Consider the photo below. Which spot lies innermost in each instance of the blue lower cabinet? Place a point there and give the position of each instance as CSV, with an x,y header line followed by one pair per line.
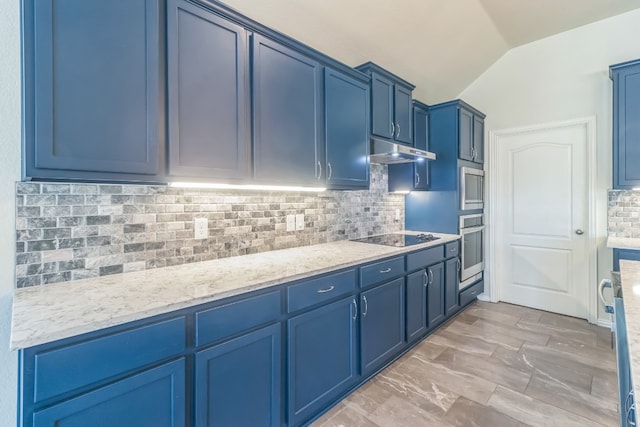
x,y
630,254
153,398
416,305
322,349
238,383
451,305
435,294
382,324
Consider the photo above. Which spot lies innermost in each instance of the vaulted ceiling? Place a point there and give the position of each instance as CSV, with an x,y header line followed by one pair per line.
x,y
441,46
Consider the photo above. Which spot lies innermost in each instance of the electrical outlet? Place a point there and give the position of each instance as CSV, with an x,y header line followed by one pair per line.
x,y
300,222
291,222
200,228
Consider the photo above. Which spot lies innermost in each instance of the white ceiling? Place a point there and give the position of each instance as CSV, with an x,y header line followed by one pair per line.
x,y
441,46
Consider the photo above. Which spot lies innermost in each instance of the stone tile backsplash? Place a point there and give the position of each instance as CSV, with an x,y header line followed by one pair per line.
x,y
69,231
623,213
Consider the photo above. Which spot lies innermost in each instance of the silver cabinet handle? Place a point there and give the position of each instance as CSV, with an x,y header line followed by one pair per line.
x,y
355,309
459,264
426,279
319,169
430,276
417,178
325,290
473,153
365,310
608,306
397,130
393,129
385,271
330,171
627,403
579,232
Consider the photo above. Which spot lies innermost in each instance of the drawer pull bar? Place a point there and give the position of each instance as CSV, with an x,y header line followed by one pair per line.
x,y
329,289
386,270
366,307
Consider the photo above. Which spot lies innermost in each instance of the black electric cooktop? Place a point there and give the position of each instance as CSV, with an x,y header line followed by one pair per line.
x,y
399,240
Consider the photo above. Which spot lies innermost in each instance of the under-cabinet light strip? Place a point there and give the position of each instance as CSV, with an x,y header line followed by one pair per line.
x,y
244,187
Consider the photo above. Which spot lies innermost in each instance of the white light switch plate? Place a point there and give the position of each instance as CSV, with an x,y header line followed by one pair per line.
x,y
300,222
291,222
200,228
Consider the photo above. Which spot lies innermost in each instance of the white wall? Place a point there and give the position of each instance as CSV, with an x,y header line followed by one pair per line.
x,y
559,78
9,174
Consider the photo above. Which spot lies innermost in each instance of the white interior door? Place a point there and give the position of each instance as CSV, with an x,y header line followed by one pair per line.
x,y
541,218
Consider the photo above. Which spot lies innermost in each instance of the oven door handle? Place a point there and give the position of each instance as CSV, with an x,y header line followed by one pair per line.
x,y
471,229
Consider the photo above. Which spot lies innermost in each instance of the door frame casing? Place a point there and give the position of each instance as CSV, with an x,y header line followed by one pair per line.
x,y
492,174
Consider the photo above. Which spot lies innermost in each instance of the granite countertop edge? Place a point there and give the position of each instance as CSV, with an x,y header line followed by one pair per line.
x,y
623,242
630,277
52,312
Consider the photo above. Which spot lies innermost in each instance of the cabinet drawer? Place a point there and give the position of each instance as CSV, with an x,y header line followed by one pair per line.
x,y
451,249
471,293
381,271
425,258
315,291
75,366
226,320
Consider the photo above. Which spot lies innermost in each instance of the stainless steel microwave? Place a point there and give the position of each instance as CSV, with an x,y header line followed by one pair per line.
x,y
471,188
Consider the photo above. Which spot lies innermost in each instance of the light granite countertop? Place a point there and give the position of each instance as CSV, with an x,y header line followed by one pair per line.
x,y
51,312
630,276
623,242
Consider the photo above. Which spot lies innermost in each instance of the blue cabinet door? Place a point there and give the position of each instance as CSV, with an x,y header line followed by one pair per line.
x,y
435,295
382,106
287,113
478,139
153,398
238,383
346,130
92,88
465,134
626,124
322,357
382,324
451,268
208,94
416,305
403,115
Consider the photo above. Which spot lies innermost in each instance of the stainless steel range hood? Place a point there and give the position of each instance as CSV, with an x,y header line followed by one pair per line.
x,y
387,153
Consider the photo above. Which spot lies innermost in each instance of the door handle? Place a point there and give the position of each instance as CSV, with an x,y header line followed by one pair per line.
x,y
579,232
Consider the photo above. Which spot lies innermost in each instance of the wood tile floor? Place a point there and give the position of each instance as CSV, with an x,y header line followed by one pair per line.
x,y
493,365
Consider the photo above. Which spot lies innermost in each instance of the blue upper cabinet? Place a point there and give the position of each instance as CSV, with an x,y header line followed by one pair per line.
x,y
391,106
287,115
626,124
470,134
346,102
208,95
92,87
415,175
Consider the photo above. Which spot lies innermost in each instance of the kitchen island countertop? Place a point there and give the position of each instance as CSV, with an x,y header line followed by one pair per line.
x,y
630,276
51,312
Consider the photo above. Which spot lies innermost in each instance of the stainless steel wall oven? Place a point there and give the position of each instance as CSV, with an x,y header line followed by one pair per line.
x,y
471,188
472,253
